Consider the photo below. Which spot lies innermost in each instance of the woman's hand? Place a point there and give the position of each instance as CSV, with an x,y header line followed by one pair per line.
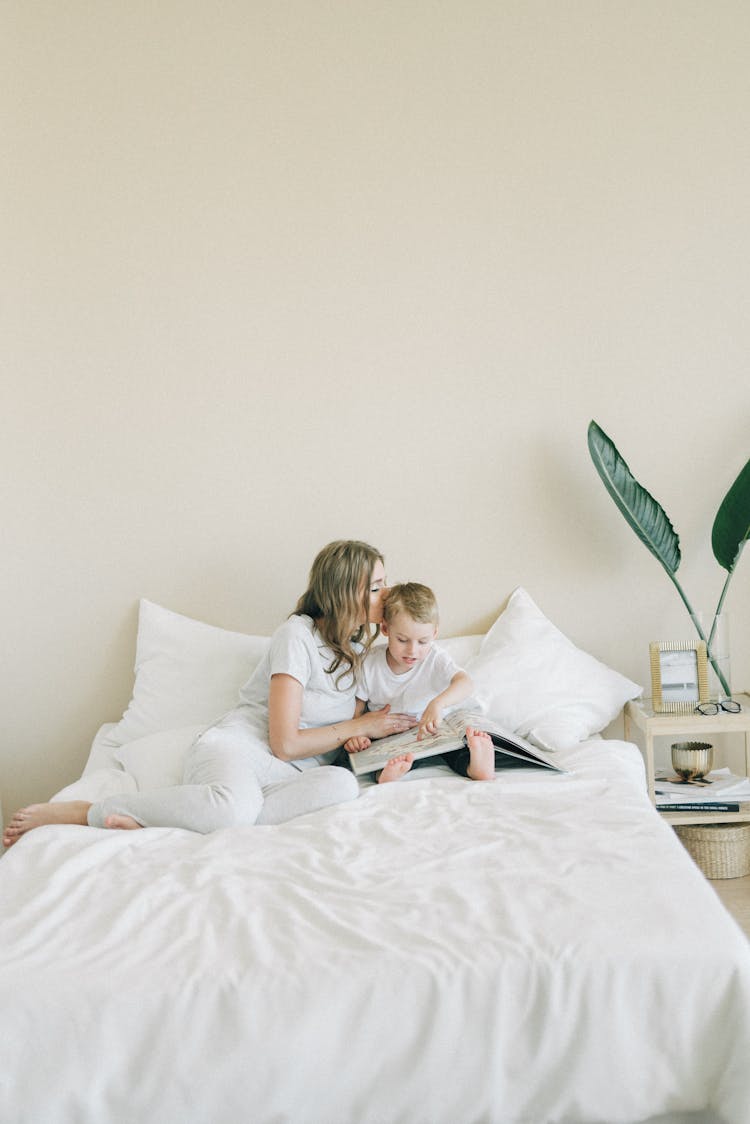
x,y
381,723
430,720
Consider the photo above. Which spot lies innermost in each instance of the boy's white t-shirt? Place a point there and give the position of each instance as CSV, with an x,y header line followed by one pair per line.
x,y
408,693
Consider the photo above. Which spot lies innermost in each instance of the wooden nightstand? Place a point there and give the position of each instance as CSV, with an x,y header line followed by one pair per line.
x,y
639,715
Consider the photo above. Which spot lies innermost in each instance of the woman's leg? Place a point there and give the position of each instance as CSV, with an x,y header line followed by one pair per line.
x,y
231,779
41,815
307,792
219,789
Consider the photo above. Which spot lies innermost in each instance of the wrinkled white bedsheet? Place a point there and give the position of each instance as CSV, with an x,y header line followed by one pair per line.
x,y
534,950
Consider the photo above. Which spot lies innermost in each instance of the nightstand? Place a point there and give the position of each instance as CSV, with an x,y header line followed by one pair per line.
x,y
639,715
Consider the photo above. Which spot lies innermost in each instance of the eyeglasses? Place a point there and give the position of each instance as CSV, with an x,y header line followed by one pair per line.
x,y
731,706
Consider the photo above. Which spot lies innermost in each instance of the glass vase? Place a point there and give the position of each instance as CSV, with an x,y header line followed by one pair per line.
x,y
719,662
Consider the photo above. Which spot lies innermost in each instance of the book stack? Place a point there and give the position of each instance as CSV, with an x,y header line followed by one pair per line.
x,y
718,791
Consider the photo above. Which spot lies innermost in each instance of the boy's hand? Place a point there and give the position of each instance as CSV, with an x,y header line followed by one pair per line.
x,y
356,745
430,720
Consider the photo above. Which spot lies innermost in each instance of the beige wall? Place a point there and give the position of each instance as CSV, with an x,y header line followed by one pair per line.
x,y
278,273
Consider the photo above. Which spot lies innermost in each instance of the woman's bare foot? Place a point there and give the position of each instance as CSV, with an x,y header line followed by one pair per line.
x,y
125,822
37,815
396,768
481,755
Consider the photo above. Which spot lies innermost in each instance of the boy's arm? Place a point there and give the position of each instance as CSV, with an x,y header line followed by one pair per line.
x,y
459,688
357,744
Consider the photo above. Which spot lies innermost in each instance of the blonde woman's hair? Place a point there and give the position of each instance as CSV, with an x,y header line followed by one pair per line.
x,y
417,601
338,597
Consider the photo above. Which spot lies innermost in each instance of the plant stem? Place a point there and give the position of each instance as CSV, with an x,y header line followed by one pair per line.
x,y
714,662
686,603
719,607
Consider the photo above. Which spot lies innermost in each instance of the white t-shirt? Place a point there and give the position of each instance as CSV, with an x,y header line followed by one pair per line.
x,y
298,649
408,693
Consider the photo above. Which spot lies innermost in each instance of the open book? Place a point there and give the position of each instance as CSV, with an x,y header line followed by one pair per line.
x,y
510,749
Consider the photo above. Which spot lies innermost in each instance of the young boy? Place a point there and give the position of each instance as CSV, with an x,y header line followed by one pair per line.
x,y
412,675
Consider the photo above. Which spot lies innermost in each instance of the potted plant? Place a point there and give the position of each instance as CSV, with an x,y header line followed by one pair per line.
x,y
652,526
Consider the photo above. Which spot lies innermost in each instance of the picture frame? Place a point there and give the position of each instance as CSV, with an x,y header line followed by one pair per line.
x,y
679,675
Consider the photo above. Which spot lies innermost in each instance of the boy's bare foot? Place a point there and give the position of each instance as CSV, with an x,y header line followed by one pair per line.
x,y
396,768
125,822
37,815
481,755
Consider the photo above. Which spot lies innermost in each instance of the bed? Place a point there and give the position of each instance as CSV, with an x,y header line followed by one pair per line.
x,y
533,950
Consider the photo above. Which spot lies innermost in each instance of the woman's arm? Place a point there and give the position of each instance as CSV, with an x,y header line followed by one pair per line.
x,y
289,743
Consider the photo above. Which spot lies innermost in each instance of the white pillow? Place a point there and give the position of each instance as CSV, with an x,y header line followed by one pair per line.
x,y
533,680
461,648
98,785
158,760
186,673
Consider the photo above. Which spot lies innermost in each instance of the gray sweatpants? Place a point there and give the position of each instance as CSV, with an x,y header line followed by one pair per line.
x,y
231,779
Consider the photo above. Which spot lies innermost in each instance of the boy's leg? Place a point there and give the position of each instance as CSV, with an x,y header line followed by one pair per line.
x,y
396,768
458,761
475,761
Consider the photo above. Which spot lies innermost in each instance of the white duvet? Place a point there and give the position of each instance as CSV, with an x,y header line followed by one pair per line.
x,y
534,950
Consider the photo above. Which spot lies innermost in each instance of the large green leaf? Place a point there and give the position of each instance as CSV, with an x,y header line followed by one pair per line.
x,y
732,523
644,514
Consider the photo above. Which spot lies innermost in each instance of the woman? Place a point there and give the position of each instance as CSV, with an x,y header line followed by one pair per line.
x,y
268,760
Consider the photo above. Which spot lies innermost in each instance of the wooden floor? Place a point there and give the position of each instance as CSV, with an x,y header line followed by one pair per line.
x,y
735,894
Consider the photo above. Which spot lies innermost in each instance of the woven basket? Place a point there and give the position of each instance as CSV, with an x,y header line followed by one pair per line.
x,y
721,850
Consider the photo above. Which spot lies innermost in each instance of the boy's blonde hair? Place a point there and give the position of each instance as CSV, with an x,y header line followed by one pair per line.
x,y
417,601
338,597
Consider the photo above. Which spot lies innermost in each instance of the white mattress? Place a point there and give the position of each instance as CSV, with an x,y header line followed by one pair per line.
x,y
539,949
